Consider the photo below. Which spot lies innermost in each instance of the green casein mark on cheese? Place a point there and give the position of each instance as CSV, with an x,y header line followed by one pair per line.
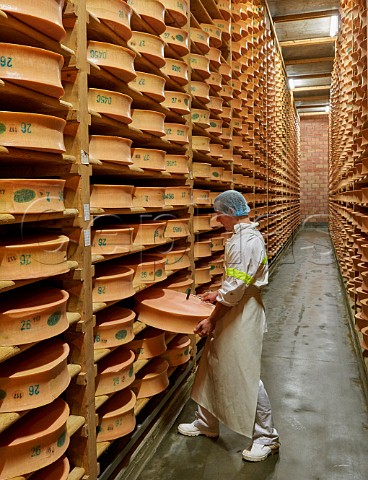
x,y
25,195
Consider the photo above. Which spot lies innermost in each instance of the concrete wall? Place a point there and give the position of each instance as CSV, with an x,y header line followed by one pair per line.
x,y
314,168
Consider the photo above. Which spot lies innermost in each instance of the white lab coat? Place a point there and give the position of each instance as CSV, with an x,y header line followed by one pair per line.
x,y
228,375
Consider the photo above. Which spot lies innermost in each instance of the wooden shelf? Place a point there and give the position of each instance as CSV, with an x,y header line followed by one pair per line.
x,y
76,474
7,218
130,171
134,249
11,28
74,423
6,285
12,95
32,157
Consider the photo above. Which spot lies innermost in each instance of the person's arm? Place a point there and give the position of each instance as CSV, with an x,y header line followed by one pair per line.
x,y
207,325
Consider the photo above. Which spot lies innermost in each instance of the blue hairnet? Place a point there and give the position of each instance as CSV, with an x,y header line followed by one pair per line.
x,y
231,203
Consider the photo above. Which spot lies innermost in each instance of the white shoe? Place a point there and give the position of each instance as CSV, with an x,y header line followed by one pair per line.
x,y
260,452
195,429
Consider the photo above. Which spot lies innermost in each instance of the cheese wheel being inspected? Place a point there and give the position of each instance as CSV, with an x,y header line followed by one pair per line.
x,y
32,131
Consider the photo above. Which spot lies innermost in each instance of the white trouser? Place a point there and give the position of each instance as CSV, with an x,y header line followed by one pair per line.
x,y
264,431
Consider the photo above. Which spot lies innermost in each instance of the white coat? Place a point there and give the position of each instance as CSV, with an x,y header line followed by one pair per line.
x,y
228,375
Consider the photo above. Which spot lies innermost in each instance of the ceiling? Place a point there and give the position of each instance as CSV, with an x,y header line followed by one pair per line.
x,y
303,31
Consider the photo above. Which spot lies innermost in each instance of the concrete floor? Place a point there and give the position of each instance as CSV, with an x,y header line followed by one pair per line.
x,y
311,374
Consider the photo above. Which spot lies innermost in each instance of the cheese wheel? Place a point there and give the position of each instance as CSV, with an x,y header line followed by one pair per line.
x,y
112,104
149,46
44,16
32,131
27,196
34,257
115,59
116,14
35,377
35,441
111,196
18,65
110,149
151,11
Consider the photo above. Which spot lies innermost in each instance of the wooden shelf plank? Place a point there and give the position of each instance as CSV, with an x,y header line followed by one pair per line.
x,y
102,447
32,156
7,419
9,352
74,423
76,474
31,100
6,218
11,27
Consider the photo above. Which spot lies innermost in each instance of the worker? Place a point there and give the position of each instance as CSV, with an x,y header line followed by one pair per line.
x,y
227,386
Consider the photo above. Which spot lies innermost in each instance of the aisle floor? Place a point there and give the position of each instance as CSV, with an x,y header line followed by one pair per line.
x,y
311,373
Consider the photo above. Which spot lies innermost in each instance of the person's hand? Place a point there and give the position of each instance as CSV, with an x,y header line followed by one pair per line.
x,y
209,297
205,327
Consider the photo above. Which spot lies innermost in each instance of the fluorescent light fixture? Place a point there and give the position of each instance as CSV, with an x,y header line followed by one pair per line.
x,y
291,84
334,25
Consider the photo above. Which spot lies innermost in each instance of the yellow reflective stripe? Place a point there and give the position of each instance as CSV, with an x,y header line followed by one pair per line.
x,y
265,260
233,272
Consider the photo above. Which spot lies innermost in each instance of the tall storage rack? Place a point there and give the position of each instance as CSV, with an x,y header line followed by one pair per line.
x,y
348,163
148,110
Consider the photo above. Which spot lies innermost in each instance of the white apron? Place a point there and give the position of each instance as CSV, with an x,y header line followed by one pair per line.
x,y
227,380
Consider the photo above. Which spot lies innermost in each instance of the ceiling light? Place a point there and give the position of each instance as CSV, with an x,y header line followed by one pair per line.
x,y
334,25
291,84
